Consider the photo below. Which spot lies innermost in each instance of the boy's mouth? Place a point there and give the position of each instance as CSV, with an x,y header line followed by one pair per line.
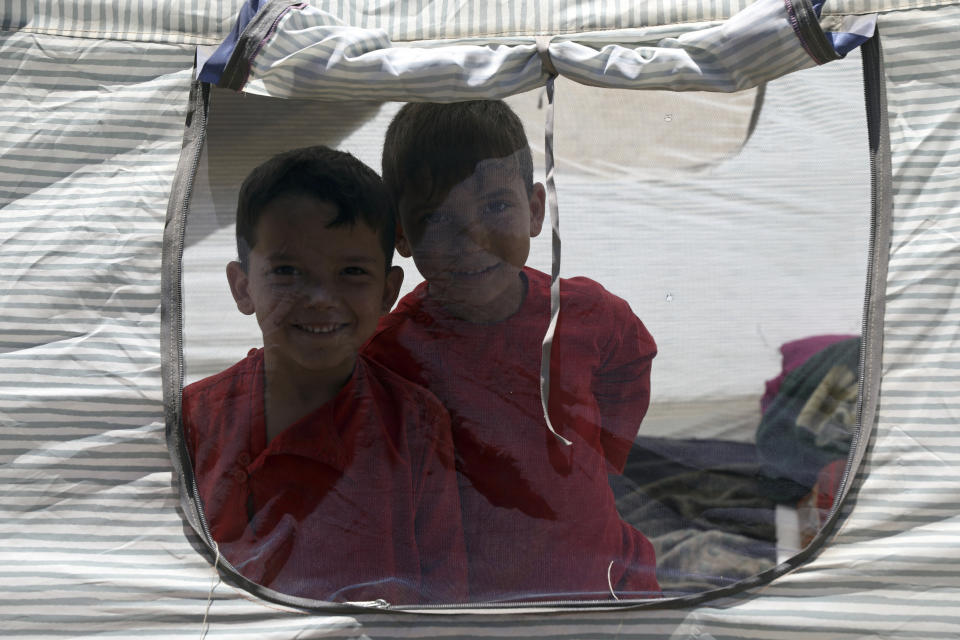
x,y
321,329
470,273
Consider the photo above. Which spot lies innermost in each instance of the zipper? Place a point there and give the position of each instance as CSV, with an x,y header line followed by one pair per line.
x,y
261,27
873,98
201,103
873,87
266,36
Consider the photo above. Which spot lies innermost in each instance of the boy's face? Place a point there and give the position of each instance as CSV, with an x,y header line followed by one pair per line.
x,y
317,291
471,248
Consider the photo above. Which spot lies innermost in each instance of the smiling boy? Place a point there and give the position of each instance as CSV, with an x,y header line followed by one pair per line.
x,y
321,473
539,517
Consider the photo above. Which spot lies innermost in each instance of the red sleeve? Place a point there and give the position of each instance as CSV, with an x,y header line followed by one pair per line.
x,y
439,528
621,385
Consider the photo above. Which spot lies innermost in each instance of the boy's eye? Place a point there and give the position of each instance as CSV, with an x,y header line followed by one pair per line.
x,y
435,217
285,270
354,271
495,207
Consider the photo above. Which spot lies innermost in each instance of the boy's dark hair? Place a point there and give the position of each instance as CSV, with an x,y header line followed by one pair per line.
x,y
430,148
326,174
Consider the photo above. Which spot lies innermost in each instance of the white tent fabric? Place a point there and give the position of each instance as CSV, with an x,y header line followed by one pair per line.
x,y
311,54
93,544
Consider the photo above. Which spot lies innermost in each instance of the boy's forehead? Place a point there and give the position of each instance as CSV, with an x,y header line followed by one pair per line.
x,y
495,172
293,206
302,224
488,174
289,213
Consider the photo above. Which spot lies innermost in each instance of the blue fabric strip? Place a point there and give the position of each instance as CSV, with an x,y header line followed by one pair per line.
x,y
843,43
216,63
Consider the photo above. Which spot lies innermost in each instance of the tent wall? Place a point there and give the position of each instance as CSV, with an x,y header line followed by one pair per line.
x,y
172,21
90,143
91,542
197,21
201,22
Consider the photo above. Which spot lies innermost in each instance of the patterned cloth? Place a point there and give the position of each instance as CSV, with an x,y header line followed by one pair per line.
x,y
810,422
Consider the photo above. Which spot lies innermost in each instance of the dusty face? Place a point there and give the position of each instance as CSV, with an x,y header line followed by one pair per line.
x,y
317,292
472,247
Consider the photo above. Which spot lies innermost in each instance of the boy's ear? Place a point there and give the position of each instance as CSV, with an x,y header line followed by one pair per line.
x,y
391,288
239,287
403,245
538,203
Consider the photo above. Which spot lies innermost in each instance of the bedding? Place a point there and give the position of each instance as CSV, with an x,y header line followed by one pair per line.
x,y
701,504
709,505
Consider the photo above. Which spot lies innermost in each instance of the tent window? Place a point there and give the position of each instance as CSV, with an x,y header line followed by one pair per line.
x,y
706,369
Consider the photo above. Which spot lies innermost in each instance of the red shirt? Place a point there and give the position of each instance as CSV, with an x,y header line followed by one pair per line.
x,y
539,517
355,501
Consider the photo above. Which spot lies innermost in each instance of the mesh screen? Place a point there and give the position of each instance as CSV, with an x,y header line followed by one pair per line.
x,y
704,367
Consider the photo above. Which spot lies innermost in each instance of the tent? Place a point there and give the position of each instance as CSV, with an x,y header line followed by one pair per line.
x,y
103,113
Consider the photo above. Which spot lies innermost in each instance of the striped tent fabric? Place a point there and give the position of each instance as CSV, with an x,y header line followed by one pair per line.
x,y
310,53
90,144
418,20
92,539
170,22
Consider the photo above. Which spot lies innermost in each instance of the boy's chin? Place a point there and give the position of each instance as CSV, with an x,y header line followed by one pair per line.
x,y
480,306
316,362
468,297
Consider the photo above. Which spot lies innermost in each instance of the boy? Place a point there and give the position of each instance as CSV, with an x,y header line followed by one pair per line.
x,y
539,517
322,474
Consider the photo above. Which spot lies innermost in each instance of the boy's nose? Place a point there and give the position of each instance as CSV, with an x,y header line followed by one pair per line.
x,y
476,233
318,293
